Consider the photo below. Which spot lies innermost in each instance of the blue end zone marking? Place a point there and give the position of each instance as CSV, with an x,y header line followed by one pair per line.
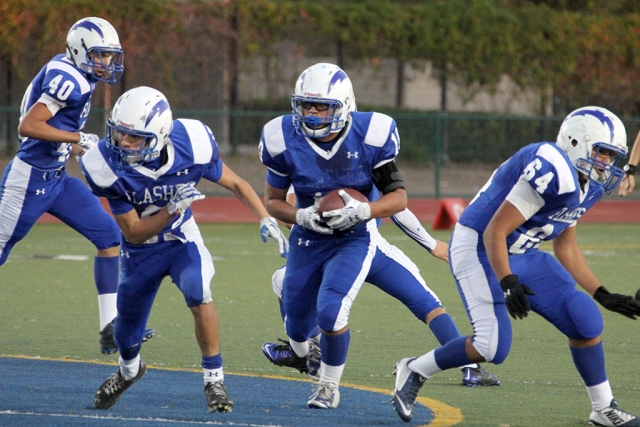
x,y
60,393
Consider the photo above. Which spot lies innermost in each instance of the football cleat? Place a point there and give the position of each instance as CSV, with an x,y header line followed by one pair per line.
x,y
283,355
612,416
408,384
325,396
113,387
217,398
474,377
108,343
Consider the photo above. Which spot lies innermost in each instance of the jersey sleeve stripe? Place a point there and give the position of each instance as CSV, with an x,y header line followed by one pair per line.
x,y
99,171
200,141
566,182
69,69
379,128
274,137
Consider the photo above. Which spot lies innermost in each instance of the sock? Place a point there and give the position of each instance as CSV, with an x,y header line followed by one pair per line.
x,y
334,355
105,273
334,348
444,329
212,368
301,349
129,368
590,364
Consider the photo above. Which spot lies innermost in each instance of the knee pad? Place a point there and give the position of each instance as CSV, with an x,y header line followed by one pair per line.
x,y
585,316
492,339
277,280
193,291
330,318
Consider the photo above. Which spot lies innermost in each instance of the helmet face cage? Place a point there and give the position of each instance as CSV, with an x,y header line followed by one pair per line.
x,y
140,112
121,156
328,89
93,45
590,134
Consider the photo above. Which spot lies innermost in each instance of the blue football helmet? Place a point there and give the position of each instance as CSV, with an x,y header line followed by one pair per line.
x,y
328,89
585,135
141,112
93,46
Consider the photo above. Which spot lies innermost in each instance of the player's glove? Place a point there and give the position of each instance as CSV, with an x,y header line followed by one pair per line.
x,y
623,304
182,198
87,140
515,295
309,218
269,228
354,212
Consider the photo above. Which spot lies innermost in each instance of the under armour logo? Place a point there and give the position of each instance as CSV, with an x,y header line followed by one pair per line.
x,y
184,172
213,374
39,192
125,254
303,242
350,155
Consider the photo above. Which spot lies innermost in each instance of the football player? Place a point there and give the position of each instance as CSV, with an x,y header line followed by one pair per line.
x,y
283,355
537,195
629,181
54,110
148,168
324,145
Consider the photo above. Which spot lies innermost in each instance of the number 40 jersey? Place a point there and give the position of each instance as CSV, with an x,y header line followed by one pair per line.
x,y
541,182
65,90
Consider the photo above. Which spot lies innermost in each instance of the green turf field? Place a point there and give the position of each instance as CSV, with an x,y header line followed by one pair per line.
x,y
49,309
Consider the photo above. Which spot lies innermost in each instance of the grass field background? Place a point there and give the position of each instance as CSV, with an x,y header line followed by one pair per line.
x,y
49,309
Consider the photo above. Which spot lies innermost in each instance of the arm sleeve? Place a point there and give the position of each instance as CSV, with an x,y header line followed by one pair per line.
x,y
409,224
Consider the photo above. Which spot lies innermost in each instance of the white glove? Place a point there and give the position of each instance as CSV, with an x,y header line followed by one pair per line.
x,y
183,197
353,213
309,218
87,140
269,228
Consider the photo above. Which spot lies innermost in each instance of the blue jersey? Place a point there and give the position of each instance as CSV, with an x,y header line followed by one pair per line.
x,y
62,83
560,200
191,154
314,169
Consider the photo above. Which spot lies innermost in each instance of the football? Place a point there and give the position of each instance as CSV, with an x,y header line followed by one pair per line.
x,y
332,200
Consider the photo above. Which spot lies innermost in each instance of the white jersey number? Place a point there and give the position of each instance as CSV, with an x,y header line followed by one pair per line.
x,y
531,239
541,182
63,90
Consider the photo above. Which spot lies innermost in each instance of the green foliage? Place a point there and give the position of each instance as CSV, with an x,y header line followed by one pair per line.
x,y
580,53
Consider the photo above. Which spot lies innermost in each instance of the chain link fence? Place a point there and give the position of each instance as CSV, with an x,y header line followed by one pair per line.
x,y
442,155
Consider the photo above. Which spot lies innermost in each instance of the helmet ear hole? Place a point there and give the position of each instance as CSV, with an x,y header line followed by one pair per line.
x,y
574,142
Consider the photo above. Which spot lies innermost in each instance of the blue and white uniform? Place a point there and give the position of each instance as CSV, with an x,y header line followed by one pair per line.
x,y
178,250
35,180
325,272
540,181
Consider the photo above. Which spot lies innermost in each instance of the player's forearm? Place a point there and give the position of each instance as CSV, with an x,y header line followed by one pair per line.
x,y
634,156
247,195
497,252
138,232
409,224
42,131
389,204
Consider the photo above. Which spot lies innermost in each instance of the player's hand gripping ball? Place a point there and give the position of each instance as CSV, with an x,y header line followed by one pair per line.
x,y
332,200
343,208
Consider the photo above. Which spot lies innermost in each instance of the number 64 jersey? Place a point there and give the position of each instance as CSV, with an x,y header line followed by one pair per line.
x,y
540,181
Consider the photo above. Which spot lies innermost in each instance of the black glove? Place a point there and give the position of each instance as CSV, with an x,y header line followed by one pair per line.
x,y
515,295
623,304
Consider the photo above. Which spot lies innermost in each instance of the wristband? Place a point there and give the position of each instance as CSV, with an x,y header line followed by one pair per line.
x,y
629,169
